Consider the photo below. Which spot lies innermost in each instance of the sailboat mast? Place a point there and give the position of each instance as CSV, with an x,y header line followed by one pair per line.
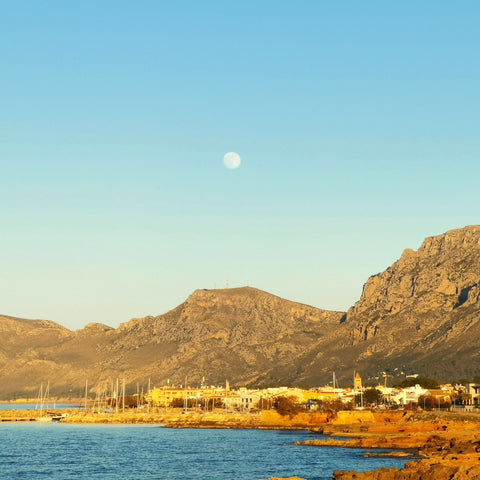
x,y
47,395
123,399
333,382
39,398
148,396
116,397
186,400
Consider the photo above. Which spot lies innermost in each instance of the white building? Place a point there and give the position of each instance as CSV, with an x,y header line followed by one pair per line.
x,y
412,394
473,391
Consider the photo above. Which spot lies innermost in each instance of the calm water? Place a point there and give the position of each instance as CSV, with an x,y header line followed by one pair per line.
x,y
57,451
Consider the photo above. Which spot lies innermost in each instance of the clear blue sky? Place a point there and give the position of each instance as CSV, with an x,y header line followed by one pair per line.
x,y
357,123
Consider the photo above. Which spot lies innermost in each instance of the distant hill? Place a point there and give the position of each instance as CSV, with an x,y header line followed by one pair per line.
x,y
244,335
421,315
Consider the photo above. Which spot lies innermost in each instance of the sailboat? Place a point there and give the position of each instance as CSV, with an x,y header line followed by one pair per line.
x,y
41,402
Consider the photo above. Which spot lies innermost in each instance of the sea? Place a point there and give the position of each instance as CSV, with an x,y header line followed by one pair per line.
x,y
58,451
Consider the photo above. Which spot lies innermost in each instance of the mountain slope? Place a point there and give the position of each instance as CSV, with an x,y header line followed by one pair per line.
x,y
424,310
421,315
241,334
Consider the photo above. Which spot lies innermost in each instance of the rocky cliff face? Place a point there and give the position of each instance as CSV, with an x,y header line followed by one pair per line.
x,y
425,308
442,275
421,315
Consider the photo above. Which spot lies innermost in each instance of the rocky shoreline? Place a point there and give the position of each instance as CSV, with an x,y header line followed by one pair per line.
x,y
448,444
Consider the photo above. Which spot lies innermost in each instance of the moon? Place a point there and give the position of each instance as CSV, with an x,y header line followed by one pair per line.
x,y
232,160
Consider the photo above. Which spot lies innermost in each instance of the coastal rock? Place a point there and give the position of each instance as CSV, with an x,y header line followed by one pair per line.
x,y
424,470
286,478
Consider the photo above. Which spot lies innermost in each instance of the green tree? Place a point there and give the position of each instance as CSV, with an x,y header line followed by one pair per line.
x,y
179,402
426,402
371,397
424,382
287,406
333,406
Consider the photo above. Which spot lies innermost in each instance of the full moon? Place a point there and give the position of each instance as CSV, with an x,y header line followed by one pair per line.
x,y
232,160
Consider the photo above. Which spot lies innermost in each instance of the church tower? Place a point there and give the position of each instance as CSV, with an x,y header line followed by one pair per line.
x,y
357,382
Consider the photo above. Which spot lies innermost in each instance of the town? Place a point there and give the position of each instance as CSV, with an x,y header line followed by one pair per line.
x,y
330,397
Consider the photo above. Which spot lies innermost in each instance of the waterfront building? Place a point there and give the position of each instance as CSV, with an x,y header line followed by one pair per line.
x,y
412,394
472,392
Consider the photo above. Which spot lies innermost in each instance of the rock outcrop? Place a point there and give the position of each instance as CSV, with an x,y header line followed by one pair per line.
x,y
424,310
442,276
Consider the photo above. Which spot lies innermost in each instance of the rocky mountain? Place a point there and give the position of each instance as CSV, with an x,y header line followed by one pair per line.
x,y
244,335
424,310
421,315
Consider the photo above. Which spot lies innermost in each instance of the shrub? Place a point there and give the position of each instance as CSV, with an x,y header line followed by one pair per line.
x,y
287,406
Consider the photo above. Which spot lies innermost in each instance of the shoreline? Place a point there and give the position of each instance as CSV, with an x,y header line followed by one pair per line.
x,y
447,444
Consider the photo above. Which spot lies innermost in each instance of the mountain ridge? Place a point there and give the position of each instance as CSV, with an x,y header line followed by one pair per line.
x,y
420,315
